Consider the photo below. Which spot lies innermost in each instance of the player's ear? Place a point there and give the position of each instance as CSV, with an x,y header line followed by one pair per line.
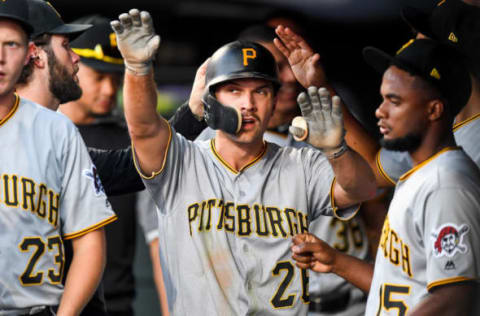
x,y
436,109
30,53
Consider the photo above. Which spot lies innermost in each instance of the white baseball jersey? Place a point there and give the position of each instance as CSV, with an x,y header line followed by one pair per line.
x,y
430,236
225,235
392,164
49,191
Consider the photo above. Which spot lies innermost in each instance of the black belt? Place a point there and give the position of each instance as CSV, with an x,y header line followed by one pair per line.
x,y
334,305
48,311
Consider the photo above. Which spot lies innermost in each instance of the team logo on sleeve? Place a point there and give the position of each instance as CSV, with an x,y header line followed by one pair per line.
x,y
92,174
448,240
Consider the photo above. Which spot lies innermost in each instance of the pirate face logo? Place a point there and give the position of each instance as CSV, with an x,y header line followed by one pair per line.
x,y
448,240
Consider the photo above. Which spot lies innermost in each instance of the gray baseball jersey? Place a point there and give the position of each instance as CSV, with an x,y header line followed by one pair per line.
x,y
347,236
430,235
392,164
49,192
225,235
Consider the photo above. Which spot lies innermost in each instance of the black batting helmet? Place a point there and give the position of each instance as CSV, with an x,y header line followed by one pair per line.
x,y
239,60
235,60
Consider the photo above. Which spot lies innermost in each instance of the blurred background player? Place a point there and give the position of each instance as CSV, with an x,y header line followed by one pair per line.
x,y
99,77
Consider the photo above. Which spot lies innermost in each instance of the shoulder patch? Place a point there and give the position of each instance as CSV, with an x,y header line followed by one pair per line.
x,y
92,174
448,240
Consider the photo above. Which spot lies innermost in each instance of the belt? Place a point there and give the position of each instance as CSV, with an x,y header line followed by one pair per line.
x,y
32,311
333,305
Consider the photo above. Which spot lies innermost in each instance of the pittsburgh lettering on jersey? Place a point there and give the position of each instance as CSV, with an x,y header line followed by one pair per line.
x,y
24,193
394,249
245,220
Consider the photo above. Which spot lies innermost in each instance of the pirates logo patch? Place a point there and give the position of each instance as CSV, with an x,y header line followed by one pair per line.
x,y
92,174
448,240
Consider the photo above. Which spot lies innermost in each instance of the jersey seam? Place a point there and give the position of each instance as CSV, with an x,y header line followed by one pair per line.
x,y
407,174
465,122
448,281
90,228
154,173
381,170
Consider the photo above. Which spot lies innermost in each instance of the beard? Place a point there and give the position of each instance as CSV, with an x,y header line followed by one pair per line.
x,y
62,84
409,143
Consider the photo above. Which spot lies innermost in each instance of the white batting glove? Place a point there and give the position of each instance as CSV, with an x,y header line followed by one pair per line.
x,y
136,40
321,123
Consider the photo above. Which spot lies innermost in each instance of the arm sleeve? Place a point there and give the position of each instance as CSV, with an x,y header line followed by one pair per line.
x,y
392,164
185,123
451,237
83,205
165,184
147,215
116,170
320,181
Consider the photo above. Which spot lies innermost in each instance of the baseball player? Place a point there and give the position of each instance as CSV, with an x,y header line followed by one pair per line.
x,y
226,220
328,293
455,23
427,262
50,193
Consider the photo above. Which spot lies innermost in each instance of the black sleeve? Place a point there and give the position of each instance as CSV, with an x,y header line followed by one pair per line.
x,y
185,123
116,170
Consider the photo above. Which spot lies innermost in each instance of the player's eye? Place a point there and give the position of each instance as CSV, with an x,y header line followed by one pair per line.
x,y
12,44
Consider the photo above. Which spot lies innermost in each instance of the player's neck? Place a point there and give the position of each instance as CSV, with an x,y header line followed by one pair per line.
x,y
7,101
237,155
473,106
432,143
75,113
37,90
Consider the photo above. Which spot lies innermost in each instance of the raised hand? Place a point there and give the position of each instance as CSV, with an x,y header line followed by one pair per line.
x,y
198,89
136,40
304,61
321,123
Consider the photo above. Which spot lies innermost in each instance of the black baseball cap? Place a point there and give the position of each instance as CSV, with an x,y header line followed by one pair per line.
x,y
437,63
451,22
16,10
47,20
97,47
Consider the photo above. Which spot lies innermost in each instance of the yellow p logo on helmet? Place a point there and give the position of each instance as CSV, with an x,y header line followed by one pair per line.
x,y
248,53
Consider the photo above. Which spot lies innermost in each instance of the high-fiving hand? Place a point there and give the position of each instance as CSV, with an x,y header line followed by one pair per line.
x,y
321,123
136,40
304,61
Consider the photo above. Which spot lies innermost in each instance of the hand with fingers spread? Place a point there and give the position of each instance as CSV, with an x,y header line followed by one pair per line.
x,y
309,252
304,61
198,89
321,123
136,40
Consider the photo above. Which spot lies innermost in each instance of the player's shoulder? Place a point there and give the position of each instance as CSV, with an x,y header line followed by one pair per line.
x,y
296,155
44,114
456,168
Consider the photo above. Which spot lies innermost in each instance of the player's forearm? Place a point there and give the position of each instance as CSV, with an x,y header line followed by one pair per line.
x,y
355,178
140,102
85,272
363,143
354,270
455,299
149,132
158,276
